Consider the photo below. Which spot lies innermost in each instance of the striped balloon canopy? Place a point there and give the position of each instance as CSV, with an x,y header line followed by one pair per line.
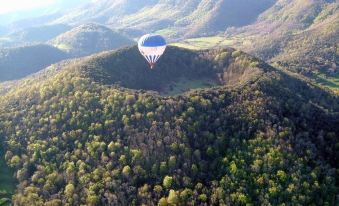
x,y
152,47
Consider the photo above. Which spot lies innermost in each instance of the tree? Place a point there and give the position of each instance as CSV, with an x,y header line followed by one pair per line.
x,y
163,168
172,198
172,162
168,181
186,194
162,202
69,190
15,161
126,171
202,197
157,189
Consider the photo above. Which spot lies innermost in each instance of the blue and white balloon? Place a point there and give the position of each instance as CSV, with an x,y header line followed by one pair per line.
x,y
152,47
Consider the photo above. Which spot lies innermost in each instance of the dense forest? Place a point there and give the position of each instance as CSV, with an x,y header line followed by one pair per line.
x,y
89,134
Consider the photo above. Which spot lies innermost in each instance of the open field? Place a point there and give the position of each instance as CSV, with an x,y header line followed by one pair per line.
x,y
331,82
184,85
204,42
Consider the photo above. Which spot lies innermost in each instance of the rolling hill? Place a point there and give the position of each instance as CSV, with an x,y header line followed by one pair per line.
x,y
92,131
19,62
88,39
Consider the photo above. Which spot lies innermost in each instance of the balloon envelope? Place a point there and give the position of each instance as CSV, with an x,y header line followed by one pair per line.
x,y
152,46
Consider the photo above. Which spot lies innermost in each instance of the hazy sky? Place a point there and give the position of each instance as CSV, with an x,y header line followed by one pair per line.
x,y
7,6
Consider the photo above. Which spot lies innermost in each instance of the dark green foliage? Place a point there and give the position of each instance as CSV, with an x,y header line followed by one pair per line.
x,y
272,139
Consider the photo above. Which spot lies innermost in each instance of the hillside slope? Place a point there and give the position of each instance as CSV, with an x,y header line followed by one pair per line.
x,y
297,33
19,62
175,18
313,49
88,39
261,137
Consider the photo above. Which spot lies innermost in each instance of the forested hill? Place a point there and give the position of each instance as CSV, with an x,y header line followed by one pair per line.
x,y
261,137
88,39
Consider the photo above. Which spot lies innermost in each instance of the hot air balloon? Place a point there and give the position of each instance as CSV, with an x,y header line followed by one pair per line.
x,y
152,46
